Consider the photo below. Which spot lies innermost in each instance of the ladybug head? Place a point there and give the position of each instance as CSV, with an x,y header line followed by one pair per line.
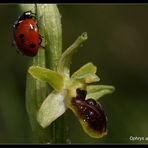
x,y
26,15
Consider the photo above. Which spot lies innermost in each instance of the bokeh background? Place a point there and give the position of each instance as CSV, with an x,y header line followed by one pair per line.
x,y
117,44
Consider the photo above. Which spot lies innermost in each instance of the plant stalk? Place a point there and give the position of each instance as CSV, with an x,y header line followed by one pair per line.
x,y
49,22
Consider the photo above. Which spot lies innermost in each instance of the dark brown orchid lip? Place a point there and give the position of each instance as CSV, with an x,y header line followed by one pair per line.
x,y
81,94
90,111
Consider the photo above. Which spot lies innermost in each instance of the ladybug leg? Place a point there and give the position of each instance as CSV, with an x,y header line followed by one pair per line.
x,y
17,50
40,41
13,44
42,46
35,16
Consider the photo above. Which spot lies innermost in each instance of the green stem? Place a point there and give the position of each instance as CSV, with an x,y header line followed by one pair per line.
x,y
49,22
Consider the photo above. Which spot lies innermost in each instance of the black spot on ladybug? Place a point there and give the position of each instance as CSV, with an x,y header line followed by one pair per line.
x,y
90,111
22,39
32,45
21,36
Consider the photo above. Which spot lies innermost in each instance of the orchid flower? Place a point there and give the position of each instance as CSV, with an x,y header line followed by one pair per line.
x,y
76,92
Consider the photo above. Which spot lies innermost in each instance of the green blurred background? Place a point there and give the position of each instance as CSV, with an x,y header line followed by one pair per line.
x,y
117,44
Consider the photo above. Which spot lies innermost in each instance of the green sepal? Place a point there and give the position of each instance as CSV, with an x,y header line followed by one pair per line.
x,y
52,108
55,79
85,69
97,91
65,60
88,78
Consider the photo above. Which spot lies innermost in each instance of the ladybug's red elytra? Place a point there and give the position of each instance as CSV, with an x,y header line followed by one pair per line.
x,y
26,35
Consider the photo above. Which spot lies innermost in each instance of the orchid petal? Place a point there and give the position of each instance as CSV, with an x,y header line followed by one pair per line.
x,y
52,108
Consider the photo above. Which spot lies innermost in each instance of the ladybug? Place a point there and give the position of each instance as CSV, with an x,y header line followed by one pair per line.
x,y
26,34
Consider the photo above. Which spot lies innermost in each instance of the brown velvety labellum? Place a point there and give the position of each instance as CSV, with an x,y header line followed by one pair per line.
x,y
91,112
81,94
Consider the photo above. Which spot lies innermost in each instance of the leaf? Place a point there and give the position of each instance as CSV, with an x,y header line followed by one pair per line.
x,y
97,91
52,108
53,78
87,68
